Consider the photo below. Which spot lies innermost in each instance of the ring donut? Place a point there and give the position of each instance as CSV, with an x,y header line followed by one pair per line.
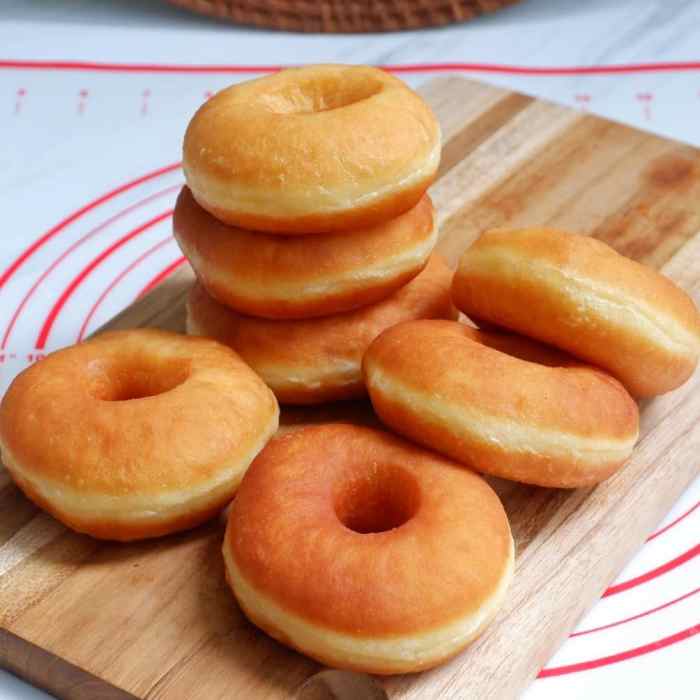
x,y
313,149
135,434
291,277
578,294
366,552
320,359
501,404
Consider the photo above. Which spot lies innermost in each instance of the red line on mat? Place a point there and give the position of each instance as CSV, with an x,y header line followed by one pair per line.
x,y
673,523
28,252
622,656
116,281
161,276
636,617
102,67
78,279
654,573
69,250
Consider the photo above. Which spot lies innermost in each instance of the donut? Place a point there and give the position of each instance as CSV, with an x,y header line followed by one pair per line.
x,y
578,294
366,552
501,404
135,434
318,360
312,150
291,277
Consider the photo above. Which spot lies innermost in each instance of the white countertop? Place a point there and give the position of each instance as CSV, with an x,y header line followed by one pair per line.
x,y
79,123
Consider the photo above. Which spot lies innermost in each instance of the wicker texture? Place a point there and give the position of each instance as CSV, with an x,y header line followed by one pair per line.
x,y
343,15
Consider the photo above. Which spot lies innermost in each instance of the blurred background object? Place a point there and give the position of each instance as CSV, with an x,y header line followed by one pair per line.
x,y
344,15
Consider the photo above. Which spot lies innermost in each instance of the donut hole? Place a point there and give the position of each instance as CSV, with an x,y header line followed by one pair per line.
x,y
321,94
138,379
382,498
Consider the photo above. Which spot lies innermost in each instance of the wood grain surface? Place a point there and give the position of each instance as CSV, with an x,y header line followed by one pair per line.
x,y
155,620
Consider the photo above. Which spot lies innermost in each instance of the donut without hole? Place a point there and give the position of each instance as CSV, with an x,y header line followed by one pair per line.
x,y
318,360
578,294
293,277
501,404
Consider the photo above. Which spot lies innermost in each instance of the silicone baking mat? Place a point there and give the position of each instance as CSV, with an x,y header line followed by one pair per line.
x,y
89,176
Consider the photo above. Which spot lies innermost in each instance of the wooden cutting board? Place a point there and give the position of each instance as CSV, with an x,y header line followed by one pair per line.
x,y
155,620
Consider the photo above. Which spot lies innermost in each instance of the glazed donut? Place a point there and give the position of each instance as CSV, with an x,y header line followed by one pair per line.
x,y
135,434
318,360
501,404
366,552
313,149
578,294
288,277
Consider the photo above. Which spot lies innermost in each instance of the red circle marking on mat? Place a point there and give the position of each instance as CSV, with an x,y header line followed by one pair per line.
x,y
78,279
69,250
28,252
654,573
621,656
166,272
637,616
102,67
116,281
674,522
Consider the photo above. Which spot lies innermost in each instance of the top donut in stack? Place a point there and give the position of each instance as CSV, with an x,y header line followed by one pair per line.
x,y
307,222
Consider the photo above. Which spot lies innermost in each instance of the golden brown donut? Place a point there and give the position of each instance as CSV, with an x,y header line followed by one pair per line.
x,y
319,360
366,552
288,277
501,404
313,149
135,434
577,293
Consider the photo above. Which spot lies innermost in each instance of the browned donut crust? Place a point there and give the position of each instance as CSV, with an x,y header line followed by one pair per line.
x,y
311,150
135,434
577,293
292,277
365,551
501,404
317,360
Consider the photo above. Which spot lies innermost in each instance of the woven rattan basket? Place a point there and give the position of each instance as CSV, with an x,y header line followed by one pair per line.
x,y
343,15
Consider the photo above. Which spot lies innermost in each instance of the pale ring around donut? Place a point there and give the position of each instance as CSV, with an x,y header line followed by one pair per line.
x,y
293,277
501,404
311,150
135,434
366,552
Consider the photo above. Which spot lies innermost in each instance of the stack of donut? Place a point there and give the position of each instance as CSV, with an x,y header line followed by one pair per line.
x,y
306,220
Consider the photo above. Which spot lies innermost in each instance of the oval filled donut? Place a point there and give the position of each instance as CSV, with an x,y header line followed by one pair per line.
x,y
135,434
312,149
289,277
501,404
366,552
318,360
580,295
